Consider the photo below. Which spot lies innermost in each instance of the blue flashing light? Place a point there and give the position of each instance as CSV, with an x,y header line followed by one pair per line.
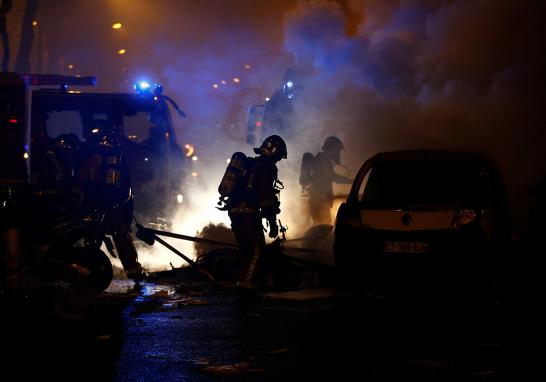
x,y
142,86
147,88
289,84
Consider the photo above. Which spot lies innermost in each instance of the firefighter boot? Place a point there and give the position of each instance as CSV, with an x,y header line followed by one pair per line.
x,y
247,275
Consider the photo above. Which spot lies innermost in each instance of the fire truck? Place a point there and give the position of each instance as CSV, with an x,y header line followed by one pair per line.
x,y
45,121
157,162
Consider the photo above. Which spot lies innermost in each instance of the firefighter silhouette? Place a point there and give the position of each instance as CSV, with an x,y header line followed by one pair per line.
x,y
106,185
279,115
254,198
64,153
317,177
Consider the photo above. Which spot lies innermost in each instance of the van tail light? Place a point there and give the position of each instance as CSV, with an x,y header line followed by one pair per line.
x,y
464,217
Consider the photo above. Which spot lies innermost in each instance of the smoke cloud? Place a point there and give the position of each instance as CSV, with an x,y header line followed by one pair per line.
x,y
425,74
380,75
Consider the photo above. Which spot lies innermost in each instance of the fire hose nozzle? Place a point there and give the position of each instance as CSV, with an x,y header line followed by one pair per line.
x,y
145,235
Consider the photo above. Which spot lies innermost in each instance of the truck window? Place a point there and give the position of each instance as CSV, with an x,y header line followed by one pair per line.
x,y
64,122
137,127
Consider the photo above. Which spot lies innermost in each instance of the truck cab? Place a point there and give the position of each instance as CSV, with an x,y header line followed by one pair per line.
x,y
156,162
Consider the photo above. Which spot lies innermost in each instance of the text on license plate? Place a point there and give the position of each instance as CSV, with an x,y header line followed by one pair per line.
x,y
405,246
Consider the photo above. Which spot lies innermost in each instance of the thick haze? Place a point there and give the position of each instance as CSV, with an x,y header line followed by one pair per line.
x,y
381,75
428,74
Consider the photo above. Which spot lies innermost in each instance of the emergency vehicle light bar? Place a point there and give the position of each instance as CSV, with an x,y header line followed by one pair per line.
x,y
57,79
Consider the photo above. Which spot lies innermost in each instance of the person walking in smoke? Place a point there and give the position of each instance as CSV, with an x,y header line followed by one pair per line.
x,y
317,176
249,190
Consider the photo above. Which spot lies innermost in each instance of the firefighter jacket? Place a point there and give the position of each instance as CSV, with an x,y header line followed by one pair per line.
x,y
259,195
323,178
104,178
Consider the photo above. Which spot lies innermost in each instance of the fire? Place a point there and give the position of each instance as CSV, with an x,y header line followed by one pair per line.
x,y
197,211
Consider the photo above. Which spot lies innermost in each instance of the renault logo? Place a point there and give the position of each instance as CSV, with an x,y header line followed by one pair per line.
x,y
406,219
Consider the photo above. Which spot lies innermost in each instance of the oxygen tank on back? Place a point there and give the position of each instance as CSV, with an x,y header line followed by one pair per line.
x,y
233,176
306,170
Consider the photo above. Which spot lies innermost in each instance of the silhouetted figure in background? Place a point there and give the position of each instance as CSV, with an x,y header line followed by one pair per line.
x,y
279,116
316,177
255,197
105,181
64,154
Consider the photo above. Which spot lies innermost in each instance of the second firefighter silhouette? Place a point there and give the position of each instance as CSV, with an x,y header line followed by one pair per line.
x,y
249,190
106,184
316,177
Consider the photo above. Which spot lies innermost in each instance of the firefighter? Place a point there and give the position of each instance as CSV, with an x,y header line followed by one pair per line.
x,y
106,185
279,114
256,199
321,178
64,153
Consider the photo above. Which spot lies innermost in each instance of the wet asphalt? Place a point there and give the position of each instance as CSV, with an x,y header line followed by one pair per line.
x,y
169,329
227,337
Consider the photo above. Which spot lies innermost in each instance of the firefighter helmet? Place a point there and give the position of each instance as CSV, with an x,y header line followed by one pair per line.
x,y
332,144
272,147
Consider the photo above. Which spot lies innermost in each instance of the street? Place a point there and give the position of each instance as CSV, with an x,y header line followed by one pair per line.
x,y
179,328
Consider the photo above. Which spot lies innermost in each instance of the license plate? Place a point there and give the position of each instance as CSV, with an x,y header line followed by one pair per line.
x,y
405,247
